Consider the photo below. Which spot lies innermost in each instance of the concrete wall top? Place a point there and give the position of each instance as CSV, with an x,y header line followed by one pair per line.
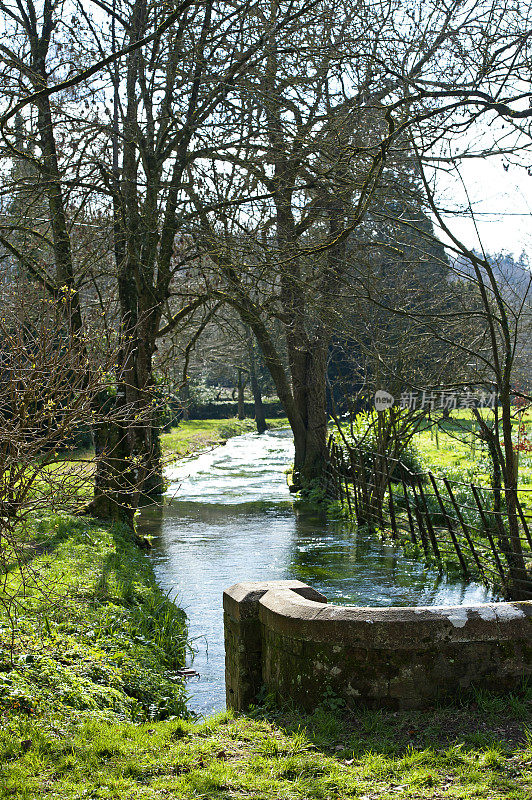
x,y
241,600
404,627
284,636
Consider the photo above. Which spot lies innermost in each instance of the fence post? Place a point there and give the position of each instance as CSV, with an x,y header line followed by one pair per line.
x,y
334,469
390,499
465,529
367,514
432,535
376,490
486,527
409,512
346,487
339,483
419,518
328,475
355,484
523,519
449,524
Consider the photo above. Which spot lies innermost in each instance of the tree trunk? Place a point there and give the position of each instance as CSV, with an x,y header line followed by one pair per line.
x,y
142,402
240,396
129,464
184,397
521,587
66,291
112,498
260,417
306,408
311,444
130,470
154,484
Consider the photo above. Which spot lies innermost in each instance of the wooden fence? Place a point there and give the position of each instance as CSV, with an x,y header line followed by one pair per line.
x,y
454,524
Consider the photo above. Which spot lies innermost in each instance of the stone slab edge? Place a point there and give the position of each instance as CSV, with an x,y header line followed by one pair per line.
x,y
241,601
287,610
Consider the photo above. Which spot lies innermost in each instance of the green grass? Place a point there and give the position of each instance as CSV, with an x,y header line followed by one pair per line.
x,y
193,436
452,448
481,750
91,632
69,475
459,455
455,453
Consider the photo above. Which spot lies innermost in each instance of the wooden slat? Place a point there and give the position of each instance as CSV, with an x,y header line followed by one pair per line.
x,y
448,522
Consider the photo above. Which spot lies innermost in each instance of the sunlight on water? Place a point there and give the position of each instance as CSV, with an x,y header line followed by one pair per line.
x,y
248,468
230,518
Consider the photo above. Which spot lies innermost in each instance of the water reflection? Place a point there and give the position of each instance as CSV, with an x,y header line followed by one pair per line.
x,y
353,567
231,519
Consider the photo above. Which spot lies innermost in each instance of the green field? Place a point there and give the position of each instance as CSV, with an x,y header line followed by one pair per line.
x,y
453,448
87,629
479,750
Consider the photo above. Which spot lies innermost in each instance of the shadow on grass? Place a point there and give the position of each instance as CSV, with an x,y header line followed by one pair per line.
x,y
477,719
47,535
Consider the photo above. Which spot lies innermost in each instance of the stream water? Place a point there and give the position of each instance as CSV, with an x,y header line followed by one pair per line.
x,y
229,518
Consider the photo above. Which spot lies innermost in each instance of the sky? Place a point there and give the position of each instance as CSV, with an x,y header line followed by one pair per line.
x,y
502,201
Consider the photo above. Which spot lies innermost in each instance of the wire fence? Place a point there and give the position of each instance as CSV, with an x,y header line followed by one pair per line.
x,y
484,532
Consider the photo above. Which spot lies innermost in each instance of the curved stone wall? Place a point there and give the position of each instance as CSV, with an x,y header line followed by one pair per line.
x,y
282,635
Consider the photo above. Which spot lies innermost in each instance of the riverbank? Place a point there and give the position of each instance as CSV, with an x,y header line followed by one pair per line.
x,y
84,627
194,436
89,632
91,706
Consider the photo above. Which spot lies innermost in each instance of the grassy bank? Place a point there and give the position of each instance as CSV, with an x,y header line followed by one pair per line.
x,y
453,448
90,631
193,436
83,624
482,750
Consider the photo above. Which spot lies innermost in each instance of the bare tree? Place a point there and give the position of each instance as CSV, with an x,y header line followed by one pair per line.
x,y
49,385
166,82
250,142
324,135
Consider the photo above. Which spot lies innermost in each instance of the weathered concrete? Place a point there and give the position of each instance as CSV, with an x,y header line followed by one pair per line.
x,y
283,636
243,638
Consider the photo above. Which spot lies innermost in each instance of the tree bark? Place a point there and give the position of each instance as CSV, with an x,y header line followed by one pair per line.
x,y
260,417
112,500
241,412
311,448
521,582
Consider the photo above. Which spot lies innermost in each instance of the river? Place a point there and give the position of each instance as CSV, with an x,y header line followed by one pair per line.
x,y
229,518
